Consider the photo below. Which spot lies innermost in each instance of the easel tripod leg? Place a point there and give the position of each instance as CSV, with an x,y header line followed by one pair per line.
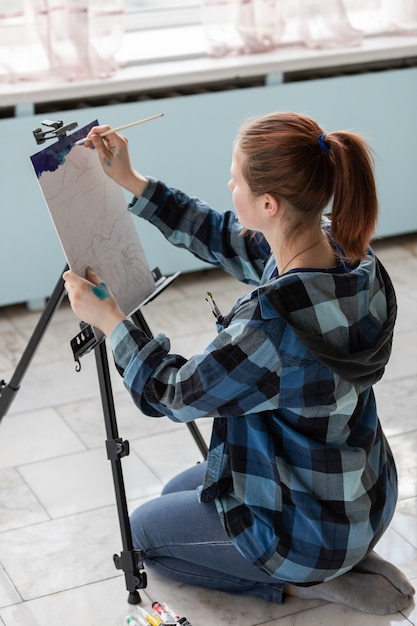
x,y
130,560
8,391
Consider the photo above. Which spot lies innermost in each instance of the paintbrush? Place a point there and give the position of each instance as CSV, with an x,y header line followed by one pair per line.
x,y
115,130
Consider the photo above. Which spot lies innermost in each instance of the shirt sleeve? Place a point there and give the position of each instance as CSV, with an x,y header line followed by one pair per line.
x,y
216,238
236,375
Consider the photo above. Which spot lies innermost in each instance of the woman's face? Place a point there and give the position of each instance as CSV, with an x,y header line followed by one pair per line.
x,y
244,201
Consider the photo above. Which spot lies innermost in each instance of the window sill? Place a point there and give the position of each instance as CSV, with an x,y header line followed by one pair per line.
x,y
196,68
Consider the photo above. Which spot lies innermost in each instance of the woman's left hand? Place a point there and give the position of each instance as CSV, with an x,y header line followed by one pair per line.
x,y
92,301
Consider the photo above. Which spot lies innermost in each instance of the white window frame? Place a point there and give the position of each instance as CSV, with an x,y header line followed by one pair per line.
x,y
173,32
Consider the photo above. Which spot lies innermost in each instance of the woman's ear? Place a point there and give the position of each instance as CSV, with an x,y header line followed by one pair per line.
x,y
271,205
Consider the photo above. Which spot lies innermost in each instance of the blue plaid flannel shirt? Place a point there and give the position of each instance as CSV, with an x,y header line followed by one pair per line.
x,y
299,468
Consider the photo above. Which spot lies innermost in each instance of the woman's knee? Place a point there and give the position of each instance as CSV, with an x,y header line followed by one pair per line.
x,y
143,520
187,480
166,520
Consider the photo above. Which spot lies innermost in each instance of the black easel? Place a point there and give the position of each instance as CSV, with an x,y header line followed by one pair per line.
x,y
129,560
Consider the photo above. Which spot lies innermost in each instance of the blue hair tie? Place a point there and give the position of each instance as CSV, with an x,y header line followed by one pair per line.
x,y
322,144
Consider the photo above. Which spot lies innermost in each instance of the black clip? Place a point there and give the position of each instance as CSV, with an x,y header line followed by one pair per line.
x,y
58,130
131,561
82,343
117,448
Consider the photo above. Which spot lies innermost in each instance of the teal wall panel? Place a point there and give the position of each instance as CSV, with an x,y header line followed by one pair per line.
x,y
190,148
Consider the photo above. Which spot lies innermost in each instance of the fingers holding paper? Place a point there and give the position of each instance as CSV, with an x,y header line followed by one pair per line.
x,y
92,301
114,156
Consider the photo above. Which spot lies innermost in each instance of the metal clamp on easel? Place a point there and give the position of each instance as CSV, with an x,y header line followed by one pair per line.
x,y
57,130
82,343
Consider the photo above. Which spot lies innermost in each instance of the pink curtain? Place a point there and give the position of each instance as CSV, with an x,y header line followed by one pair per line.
x,y
398,16
250,26
63,39
242,26
325,24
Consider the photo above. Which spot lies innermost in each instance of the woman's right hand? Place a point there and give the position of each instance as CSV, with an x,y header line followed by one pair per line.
x,y
114,157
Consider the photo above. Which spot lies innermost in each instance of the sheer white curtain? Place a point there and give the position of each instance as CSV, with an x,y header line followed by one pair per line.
x,y
242,26
65,39
78,39
249,26
373,16
246,26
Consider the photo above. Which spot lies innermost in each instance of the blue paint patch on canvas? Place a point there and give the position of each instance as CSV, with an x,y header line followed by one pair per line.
x,y
50,158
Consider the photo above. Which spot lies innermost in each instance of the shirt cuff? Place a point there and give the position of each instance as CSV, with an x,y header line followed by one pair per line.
x,y
142,206
122,343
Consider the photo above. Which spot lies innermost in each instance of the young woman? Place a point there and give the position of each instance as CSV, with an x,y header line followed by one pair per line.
x,y
300,482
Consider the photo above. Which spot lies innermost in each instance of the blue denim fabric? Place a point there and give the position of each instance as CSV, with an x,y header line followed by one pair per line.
x,y
185,540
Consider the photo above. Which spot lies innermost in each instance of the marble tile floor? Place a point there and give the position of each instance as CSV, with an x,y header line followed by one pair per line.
x,y
58,520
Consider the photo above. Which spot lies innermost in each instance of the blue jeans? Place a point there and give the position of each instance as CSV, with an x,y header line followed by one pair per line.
x,y
185,540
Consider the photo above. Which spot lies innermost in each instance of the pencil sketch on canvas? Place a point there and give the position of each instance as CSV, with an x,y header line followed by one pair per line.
x,y
90,216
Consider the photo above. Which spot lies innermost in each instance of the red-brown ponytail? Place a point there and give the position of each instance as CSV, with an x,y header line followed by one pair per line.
x,y
289,156
355,205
